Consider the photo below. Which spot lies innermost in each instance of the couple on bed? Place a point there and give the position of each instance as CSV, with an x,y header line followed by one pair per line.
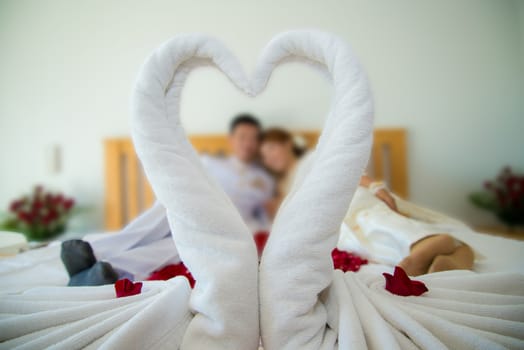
x,y
257,188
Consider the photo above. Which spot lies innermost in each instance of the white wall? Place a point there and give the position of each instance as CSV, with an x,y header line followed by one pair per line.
x,y
449,71
520,6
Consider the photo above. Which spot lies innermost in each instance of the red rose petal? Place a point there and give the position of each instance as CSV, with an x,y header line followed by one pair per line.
x,y
126,288
170,271
418,288
346,261
400,284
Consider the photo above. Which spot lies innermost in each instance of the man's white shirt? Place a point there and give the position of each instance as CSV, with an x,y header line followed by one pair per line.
x,y
248,186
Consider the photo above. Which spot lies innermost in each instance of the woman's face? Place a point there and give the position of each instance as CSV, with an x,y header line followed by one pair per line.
x,y
277,156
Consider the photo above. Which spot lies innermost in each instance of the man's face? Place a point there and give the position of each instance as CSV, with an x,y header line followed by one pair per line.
x,y
244,140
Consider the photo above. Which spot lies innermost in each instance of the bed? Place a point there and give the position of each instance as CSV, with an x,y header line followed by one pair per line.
x,y
39,274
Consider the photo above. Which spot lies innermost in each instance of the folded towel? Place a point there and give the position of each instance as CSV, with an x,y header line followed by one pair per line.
x,y
291,276
210,235
461,310
91,317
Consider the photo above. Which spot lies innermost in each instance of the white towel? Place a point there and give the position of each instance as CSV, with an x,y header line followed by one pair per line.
x,y
461,310
208,231
91,317
291,276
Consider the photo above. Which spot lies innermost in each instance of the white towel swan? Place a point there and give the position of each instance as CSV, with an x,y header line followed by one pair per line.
x,y
292,276
304,304
210,235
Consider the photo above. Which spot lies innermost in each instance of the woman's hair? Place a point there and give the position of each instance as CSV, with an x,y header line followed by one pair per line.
x,y
282,136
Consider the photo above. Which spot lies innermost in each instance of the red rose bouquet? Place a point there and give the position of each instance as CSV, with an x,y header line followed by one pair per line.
x,y
40,215
504,196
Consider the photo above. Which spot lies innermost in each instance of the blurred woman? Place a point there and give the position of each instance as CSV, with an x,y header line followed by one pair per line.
x,y
282,156
418,247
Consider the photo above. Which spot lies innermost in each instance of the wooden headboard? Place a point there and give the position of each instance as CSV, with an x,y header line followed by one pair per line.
x,y
128,193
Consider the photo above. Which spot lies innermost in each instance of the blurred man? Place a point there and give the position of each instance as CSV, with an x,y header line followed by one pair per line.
x,y
146,245
247,184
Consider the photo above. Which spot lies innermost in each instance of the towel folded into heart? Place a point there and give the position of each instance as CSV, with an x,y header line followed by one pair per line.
x,y
211,238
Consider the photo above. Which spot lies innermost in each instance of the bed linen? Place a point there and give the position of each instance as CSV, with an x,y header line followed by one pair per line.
x,y
304,304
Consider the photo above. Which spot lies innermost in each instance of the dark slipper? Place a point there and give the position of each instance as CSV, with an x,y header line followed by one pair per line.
x,y
99,274
77,255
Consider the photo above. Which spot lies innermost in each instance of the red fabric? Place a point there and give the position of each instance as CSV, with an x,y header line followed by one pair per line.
x,y
126,288
400,284
345,261
170,271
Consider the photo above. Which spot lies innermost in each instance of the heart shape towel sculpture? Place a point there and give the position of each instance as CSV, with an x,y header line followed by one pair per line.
x,y
211,238
303,303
